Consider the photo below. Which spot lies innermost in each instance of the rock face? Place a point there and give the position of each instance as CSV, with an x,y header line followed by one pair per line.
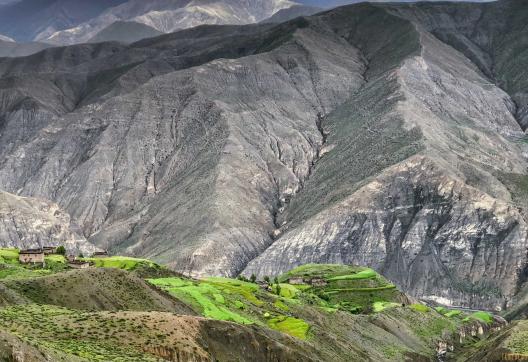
x,y
323,139
32,223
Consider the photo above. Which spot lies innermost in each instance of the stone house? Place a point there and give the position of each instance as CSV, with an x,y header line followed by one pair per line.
x,y
265,286
31,256
318,282
79,264
48,250
296,280
100,254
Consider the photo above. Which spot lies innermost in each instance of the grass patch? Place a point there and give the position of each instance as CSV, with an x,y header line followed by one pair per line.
x,y
209,298
373,289
289,325
9,256
453,313
481,316
281,305
364,274
518,342
287,290
120,262
378,307
420,308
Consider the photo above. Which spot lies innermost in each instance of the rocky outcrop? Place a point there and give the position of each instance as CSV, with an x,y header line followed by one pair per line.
x,y
32,223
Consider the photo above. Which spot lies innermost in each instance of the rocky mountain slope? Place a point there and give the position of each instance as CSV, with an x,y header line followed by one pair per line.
x,y
33,223
323,139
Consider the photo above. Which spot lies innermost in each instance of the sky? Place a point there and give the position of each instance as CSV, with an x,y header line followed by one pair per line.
x,y
332,3
318,3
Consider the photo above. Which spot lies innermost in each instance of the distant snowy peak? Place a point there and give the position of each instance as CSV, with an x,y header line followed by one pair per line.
x,y
171,15
6,38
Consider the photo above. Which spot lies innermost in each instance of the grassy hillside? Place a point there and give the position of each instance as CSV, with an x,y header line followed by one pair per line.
x,y
95,289
512,340
136,336
10,268
358,314
135,310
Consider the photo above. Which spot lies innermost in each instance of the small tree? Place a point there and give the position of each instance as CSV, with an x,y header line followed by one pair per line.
x,y
61,250
267,279
277,285
253,278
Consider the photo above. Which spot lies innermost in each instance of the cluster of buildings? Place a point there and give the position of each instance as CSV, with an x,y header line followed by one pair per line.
x,y
314,282
38,256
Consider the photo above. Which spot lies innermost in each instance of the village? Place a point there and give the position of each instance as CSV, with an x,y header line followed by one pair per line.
x,y
38,257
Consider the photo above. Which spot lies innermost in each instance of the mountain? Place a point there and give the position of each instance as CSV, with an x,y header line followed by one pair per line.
x,y
23,20
170,15
388,135
5,38
292,13
9,48
125,32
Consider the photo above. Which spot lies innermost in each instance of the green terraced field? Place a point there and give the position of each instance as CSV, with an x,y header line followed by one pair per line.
x,y
120,262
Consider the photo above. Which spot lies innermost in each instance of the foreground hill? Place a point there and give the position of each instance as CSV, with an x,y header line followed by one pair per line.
x,y
312,313
323,139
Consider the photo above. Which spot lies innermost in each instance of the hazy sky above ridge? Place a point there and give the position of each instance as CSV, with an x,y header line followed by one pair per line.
x,y
332,3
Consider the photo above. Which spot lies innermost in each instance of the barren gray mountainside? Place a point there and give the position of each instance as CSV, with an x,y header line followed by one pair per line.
x,y
32,223
169,15
331,138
